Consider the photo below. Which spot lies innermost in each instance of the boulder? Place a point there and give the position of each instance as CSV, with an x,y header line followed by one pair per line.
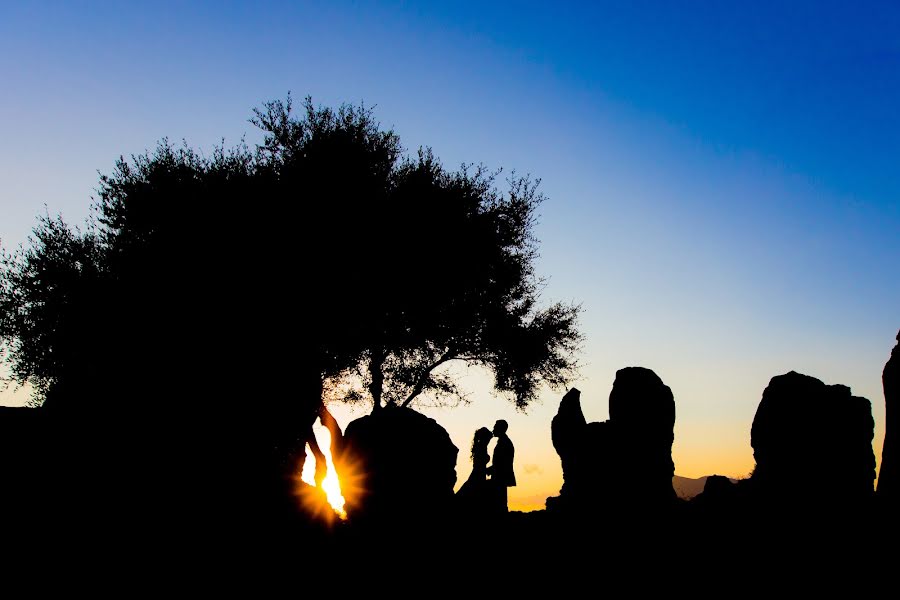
x,y
812,443
403,466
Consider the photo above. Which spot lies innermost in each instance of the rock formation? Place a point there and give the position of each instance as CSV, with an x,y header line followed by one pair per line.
x,y
717,485
812,443
625,461
403,463
567,430
642,409
889,478
717,490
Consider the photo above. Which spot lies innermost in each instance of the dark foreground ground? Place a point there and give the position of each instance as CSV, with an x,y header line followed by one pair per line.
x,y
77,511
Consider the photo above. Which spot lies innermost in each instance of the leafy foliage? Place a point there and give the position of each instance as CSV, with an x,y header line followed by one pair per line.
x,y
325,251
44,299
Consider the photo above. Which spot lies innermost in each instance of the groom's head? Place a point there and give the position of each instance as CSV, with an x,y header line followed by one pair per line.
x,y
500,427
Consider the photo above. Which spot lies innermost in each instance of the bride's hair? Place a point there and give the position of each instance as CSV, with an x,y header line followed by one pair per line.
x,y
480,440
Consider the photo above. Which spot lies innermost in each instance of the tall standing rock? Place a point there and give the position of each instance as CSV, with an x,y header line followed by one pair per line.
x,y
812,443
567,430
889,478
642,410
625,462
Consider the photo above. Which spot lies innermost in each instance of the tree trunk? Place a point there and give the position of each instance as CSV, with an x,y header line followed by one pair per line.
x,y
308,418
321,462
376,387
337,436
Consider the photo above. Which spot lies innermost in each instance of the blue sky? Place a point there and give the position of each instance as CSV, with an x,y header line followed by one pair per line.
x,y
722,178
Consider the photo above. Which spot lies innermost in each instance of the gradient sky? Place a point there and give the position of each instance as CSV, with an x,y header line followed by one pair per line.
x,y
723,179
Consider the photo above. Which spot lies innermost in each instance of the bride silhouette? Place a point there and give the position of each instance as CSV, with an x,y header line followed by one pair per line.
x,y
473,498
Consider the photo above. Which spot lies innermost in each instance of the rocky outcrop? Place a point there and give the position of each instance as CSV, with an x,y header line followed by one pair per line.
x,y
625,461
889,478
718,502
400,463
642,410
718,489
567,430
812,443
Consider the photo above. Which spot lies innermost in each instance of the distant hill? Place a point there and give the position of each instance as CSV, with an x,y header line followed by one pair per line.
x,y
687,488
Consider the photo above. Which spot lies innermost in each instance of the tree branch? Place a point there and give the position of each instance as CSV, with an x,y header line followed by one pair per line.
x,y
420,384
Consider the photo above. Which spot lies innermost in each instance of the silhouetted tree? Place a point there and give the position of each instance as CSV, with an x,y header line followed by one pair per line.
x,y
463,289
171,334
403,266
46,301
441,262
192,324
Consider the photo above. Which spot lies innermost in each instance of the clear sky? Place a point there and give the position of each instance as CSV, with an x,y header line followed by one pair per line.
x,y
723,179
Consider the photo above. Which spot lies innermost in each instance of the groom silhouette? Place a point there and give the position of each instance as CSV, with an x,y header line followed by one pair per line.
x,y
501,469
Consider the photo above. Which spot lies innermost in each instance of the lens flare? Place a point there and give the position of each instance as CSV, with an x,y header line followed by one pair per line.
x,y
331,485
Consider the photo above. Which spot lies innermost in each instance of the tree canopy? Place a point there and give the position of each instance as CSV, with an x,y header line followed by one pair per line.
x,y
324,252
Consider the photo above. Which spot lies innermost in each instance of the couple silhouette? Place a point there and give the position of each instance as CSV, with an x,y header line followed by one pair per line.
x,y
485,491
